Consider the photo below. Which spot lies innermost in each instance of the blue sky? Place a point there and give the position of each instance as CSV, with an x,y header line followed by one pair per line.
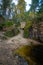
x,y
27,1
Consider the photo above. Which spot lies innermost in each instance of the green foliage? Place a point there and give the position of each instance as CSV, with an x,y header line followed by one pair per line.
x,y
9,23
37,10
34,5
11,33
20,10
26,29
26,33
41,6
28,24
6,24
5,4
16,30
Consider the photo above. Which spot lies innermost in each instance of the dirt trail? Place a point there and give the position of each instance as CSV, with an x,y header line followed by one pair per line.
x,y
18,40
6,47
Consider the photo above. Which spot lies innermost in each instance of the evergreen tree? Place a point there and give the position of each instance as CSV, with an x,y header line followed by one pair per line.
x,y
21,9
5,5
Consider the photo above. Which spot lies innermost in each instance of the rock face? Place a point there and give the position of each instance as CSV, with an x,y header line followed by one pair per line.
x,y
37,31
41,31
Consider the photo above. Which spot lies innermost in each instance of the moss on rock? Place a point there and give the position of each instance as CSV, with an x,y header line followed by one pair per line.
x,y
32,54
24,52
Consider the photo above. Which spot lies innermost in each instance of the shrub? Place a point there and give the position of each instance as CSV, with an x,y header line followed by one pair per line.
x,y
26,33
11,33
26,29
8,24
16,30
